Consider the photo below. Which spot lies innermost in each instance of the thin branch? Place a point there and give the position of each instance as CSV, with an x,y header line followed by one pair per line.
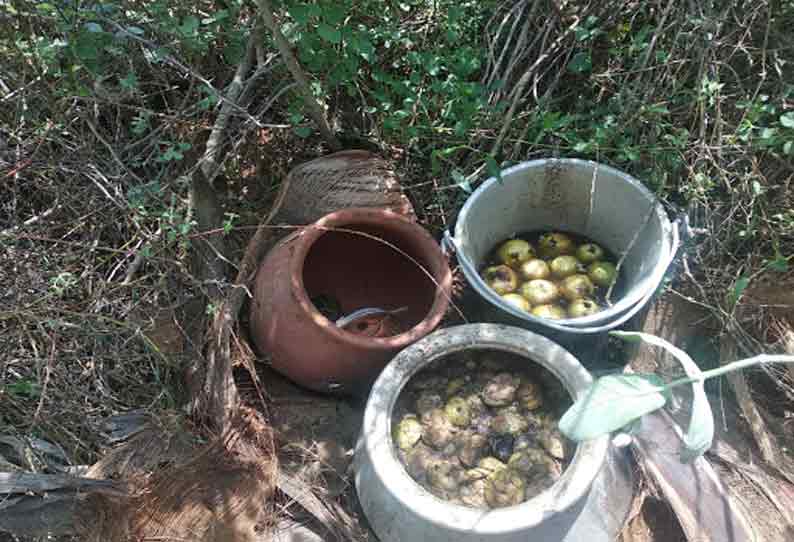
x,y
523,82
209,164
313,107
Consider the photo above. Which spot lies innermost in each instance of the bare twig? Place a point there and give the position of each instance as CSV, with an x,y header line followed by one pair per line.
x,y
209,164
518,92
313,107
32,220
112,151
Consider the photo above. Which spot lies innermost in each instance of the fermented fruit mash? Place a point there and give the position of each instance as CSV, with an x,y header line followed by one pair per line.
x,y
480,429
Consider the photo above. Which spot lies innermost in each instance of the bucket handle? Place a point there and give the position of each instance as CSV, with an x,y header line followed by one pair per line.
x,y
679,231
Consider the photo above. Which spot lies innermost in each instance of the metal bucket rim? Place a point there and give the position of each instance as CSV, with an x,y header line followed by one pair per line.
x,y
603,318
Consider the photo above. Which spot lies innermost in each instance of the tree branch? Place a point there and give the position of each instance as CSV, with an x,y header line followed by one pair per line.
x,y
313,107
209,164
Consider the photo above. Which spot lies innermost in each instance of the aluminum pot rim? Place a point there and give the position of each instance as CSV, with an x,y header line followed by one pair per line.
x,y
625,304
376,436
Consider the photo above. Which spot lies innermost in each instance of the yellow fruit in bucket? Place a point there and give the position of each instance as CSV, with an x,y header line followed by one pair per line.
x,y
553,244
539,291
589,253
515,252
501,279
576,287
552,312
535,269
602,273
518,301
583,307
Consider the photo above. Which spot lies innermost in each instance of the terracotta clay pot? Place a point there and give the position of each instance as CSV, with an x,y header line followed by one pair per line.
x,y
342,261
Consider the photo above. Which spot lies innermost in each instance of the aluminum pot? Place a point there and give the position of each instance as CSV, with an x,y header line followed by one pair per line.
x,y
359,258
579,196
589,502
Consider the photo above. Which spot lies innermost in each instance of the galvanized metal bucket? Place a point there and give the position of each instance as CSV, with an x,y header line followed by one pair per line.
x,y
579,196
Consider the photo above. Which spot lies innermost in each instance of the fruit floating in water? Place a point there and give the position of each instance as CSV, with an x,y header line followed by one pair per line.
x,y
509,421
454,386
552,312
577,287
535,269
540,291
501,279
505,487
583,307
457,411
444,476
589,253
493,442
553,244
565,266
515,252
408,433
518,301
438,431
472,448
500,390
490,465
528,395
602,273
531,462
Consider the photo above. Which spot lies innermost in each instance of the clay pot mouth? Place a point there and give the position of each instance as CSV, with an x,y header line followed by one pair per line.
x,y
369,225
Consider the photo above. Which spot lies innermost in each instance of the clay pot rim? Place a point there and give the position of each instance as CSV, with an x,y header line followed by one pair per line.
x,y
375,217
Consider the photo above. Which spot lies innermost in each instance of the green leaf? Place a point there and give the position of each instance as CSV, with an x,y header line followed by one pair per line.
x,y
137,30
329,33
129,82
612,402
93,27
189,25
460,180
779,264
581,62
768,133
700,432
582,146
787,119
300,12
493,168
334,14
788,147
738,288
303,131
25,388
658,109
361,44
